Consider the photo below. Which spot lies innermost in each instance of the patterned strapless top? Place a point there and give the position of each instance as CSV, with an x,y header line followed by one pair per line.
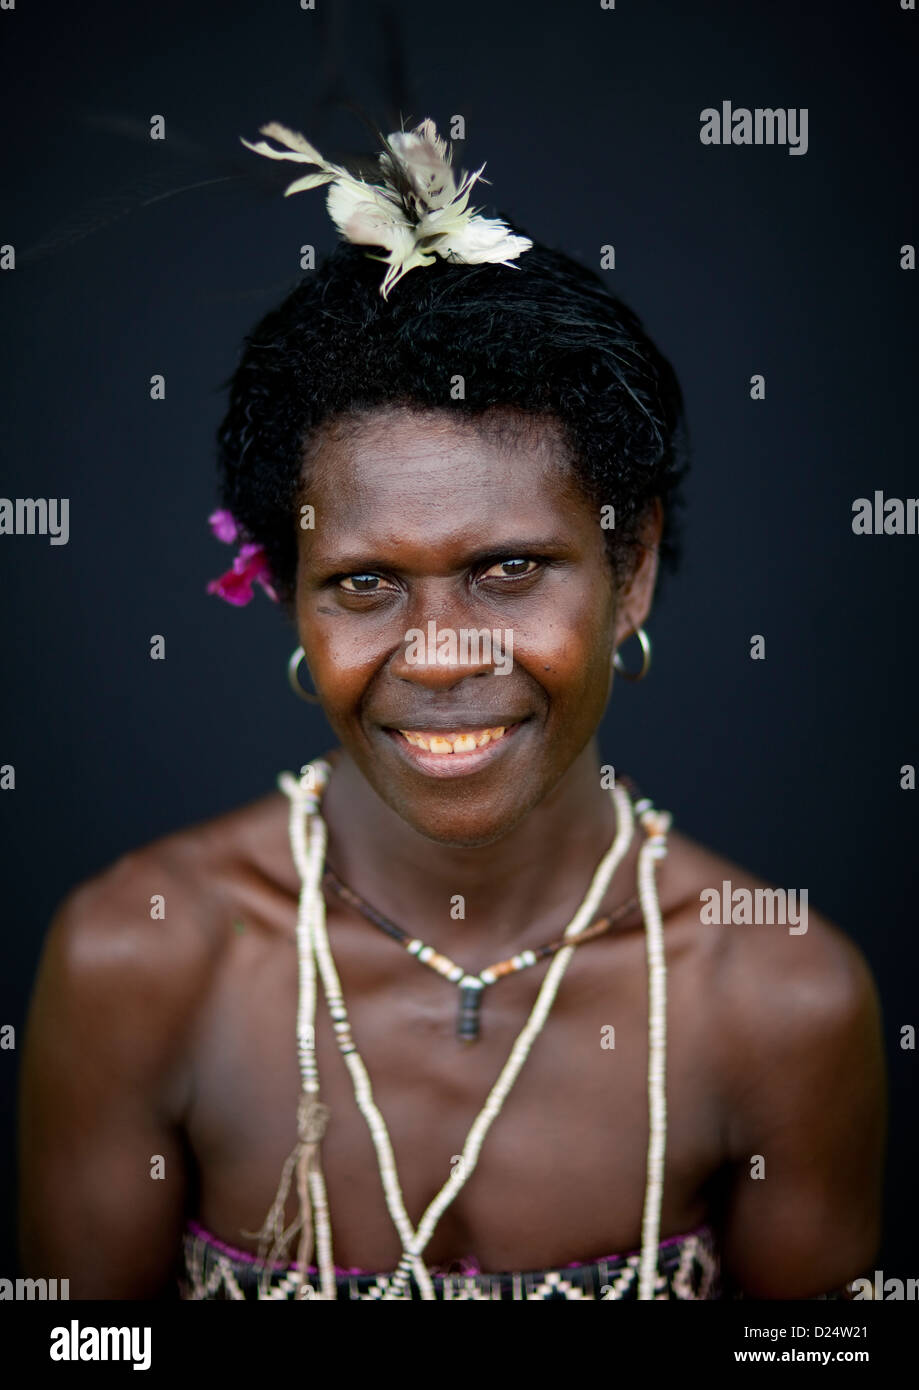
x,y
688,1267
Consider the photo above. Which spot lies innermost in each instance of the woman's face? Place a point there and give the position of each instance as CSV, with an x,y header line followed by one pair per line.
x,y
455,583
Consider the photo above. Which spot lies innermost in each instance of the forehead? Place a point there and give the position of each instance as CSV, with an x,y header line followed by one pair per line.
x,y
387,459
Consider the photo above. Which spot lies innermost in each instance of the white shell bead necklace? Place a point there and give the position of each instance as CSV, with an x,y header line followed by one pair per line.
x,y
308,838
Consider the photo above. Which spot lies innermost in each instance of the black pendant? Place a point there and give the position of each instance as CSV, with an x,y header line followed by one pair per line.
x,y
467,1026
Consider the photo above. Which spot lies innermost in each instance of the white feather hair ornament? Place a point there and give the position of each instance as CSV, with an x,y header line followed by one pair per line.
x,y
417,212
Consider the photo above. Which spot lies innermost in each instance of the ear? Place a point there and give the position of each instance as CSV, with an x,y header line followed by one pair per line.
x,y
636,595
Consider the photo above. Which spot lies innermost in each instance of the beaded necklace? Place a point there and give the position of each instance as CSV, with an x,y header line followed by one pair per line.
x,y
471,987
308,839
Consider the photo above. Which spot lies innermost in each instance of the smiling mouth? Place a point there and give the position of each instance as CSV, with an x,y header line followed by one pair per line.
x,y
451,744
449,753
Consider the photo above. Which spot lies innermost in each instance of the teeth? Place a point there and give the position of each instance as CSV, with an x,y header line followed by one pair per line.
x,y
452,743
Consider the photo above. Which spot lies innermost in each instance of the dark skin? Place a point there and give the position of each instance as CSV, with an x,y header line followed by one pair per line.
x,y
175,1037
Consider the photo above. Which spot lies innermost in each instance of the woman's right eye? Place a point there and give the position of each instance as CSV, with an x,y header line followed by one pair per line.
x,y
362,583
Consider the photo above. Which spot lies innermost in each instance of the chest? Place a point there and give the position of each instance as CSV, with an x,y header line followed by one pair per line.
x,y
561,1173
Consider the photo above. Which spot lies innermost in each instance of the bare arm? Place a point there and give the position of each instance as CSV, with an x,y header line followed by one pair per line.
x,y
104,1082
809,1096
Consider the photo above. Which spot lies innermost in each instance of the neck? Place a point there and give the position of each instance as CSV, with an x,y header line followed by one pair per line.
x,y
519,890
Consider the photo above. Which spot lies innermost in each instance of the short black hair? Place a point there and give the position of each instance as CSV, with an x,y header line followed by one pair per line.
x,y
542,336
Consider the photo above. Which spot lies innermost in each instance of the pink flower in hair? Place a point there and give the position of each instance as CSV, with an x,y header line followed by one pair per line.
x,y
250,566
224,526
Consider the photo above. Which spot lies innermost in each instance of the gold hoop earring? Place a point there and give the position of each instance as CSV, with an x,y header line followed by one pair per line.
x,y
645,641
293,667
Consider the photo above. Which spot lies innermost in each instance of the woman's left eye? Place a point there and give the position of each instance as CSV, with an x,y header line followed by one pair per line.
x,y
361,583
511,569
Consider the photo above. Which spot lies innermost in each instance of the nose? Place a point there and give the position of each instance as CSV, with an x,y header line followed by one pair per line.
x,y
438,654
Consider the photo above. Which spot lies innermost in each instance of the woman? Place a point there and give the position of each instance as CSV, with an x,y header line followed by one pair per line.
x,y
490,451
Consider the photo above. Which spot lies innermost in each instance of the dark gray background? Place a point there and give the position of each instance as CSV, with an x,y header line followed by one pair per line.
x,y
739,260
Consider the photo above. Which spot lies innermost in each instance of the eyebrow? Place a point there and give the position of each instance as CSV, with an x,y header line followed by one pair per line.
x,y
355,561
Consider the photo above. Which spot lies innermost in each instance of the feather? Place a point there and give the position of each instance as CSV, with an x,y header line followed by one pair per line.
x,y
366,217
298,147
416,213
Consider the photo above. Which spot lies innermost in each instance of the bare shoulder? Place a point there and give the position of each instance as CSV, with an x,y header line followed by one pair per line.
x,y
143,937
797,1057
781,974
108,1068
163,897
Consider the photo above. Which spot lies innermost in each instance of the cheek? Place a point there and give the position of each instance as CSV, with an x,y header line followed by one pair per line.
x,y
341,661
569,654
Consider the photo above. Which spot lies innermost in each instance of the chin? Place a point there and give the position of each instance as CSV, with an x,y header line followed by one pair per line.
x,y
457,839
458,827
